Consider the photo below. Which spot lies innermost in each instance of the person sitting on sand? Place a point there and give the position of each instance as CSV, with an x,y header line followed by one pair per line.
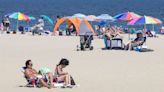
x,y
31,73
61,75
137,42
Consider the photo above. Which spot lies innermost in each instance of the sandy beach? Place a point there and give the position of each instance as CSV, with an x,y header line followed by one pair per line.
x,y
95,71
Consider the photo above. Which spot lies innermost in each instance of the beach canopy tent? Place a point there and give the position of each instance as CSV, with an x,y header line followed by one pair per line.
x,y
81,26
69,21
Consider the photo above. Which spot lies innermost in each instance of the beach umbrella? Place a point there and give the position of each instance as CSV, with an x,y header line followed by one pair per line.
x,y
48,19
90,18
144,20
68,17
31,18
18,16
127,16
79,15
104,17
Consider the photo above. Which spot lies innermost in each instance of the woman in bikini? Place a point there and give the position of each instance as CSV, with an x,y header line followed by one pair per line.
x,y
62,76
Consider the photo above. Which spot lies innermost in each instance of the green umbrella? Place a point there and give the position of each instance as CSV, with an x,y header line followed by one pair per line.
x,y
48,19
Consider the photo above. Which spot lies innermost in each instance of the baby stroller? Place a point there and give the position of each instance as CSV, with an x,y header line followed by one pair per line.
x,y
86,42
86,33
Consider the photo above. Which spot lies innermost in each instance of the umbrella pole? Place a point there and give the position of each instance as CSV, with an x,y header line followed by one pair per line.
x,y
145,29
153,27
17,26
129,33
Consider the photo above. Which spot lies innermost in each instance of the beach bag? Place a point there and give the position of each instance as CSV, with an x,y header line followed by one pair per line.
x,y
72,81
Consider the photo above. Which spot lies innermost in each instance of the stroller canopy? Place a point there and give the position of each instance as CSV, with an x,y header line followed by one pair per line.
x,y
85,28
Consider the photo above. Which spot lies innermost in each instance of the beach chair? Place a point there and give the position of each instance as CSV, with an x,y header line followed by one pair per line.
x,y
117,44
30,82
142,46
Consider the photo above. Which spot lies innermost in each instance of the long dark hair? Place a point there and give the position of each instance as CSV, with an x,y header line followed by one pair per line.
x,y
63,61
27,62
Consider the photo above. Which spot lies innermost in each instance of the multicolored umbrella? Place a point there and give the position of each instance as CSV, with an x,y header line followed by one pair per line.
x,y
127,16
18,16
145,20
47,18
31,18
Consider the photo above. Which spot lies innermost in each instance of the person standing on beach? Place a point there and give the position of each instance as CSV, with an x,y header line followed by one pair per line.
x,y
6,23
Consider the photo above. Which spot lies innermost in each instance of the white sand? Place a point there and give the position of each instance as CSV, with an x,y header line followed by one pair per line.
x,y
95,71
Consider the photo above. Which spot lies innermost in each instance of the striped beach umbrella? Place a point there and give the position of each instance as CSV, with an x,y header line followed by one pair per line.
x,y
127,16
18,16
145,20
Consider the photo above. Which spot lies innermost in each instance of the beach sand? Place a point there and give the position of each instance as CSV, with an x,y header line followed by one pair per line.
x,y
95,71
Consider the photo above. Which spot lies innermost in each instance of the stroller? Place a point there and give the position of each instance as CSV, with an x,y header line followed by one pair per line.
x,y
86,42
86,33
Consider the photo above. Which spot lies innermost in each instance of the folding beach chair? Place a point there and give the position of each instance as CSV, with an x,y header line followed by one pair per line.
x,y
30,82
